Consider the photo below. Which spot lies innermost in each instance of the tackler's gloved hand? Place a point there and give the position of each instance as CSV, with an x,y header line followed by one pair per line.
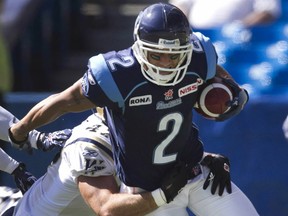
x,y
174,181
48,141
241,97
219,174
41,140
23,179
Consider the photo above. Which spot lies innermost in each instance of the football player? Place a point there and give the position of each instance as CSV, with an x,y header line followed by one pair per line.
x,y
83,173
148,91
23,178
37,140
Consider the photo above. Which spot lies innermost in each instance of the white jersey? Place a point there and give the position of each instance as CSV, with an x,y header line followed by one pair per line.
x,y
87,152
7,119
7,163
8,198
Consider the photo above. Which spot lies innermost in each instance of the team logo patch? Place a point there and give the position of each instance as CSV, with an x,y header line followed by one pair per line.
x,y
169,94
93,166
94,163
140,100
190,88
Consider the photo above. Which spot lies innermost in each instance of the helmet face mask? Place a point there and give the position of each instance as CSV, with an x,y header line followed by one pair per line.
x,y
170,35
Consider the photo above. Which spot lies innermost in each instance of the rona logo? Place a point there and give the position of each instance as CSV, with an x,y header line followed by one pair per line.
x,y
141,100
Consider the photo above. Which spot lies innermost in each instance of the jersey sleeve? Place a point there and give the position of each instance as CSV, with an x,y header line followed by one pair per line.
x,y
7,163
88,150
86,159
7,119
203,44
98,84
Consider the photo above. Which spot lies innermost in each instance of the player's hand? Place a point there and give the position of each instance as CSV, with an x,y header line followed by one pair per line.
x,y
41,140
23,179
219,174
20,144
174,181
48,141
238,102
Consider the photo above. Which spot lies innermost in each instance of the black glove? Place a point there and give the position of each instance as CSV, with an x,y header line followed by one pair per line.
x,y
21,145
219,173
23,179
237,104
47,141
174,181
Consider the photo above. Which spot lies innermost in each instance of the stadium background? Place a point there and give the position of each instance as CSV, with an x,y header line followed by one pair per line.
x,y
56,46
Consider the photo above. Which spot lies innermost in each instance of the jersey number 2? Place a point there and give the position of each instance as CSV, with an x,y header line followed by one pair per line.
x,y
159,154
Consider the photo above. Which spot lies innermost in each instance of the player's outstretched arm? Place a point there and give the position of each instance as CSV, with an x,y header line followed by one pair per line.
x,y
35,139
101,194
49,109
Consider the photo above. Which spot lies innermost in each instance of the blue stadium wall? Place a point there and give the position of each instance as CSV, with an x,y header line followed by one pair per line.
x,y
253,140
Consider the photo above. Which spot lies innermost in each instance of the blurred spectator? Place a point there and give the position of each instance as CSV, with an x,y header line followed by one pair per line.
x,y
5,64
6,80
206,14
238,29
15,16
38,35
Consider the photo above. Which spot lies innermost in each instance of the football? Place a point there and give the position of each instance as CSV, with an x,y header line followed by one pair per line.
x,y
214,98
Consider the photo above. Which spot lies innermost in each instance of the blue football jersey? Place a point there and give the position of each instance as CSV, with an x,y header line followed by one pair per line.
x,y
151,126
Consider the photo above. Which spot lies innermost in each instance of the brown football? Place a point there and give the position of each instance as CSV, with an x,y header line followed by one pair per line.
x,y
214,99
